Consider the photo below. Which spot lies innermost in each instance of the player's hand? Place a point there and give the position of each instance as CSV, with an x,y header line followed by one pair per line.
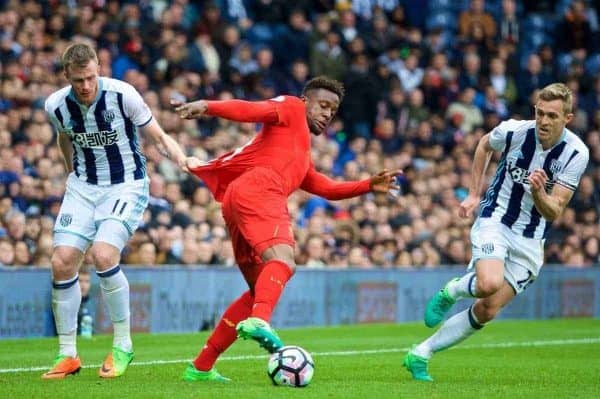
x,y
192,110
385,181
193,163
182,163
468,205
537,180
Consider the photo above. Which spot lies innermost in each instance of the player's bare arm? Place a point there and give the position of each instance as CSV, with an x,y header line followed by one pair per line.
x,y
481,160
66,149
190,110
323,186
552,205
165,143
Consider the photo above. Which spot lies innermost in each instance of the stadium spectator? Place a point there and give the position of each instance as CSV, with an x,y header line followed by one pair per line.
x,y
574,30
315,252
7,253
30,63
476,15
147,254
532,78
467,115
509,25
327,57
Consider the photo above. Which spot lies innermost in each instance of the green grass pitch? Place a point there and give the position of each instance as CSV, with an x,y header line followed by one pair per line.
x,y
507,359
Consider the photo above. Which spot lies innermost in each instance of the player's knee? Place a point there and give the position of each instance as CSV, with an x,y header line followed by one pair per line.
x,y
488,285
63,266
291,262
104,256
282,253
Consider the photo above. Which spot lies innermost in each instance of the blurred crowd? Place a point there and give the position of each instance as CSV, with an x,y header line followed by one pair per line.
x,y
425,79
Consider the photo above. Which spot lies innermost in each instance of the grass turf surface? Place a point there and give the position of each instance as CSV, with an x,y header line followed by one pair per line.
x,y
508,359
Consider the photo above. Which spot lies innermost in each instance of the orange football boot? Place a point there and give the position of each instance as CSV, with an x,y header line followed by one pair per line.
x,y
63,366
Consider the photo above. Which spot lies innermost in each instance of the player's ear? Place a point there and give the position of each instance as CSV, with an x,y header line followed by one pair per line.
x,y
303,98
568,118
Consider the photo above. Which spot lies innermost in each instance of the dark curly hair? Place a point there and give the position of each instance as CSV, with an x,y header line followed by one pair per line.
x,y
323,82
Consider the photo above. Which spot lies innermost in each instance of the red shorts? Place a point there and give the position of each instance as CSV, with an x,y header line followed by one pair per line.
x,y
255,210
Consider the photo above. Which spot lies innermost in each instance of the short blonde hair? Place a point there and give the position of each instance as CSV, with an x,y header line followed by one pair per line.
x,y
558,91
78,55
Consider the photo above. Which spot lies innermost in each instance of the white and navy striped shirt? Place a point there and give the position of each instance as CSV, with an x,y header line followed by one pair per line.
x,y
106,149
508,199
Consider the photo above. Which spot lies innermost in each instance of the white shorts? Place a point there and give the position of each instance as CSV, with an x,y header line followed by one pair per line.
x,y
86,206
523,257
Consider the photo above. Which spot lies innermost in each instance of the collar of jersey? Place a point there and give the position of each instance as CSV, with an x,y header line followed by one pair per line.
x,y
73,97
538,144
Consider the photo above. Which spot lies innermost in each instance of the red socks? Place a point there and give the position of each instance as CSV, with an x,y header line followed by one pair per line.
x,y
268,288
224,334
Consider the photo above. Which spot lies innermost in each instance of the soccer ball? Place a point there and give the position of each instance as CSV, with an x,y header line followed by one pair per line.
x,y
291,366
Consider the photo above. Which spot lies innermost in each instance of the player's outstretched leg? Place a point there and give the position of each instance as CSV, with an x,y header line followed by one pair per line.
x,y
260,331
417,366
225,334
439,305
63,366
193,374
116,363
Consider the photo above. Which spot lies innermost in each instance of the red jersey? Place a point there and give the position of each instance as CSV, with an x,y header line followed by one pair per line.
x,y
282,145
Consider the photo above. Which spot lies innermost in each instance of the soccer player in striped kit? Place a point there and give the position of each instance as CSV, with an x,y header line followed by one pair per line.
x,y
540,168
97,120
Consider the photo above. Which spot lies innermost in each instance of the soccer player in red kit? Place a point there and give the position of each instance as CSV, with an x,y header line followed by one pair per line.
x,y
253,183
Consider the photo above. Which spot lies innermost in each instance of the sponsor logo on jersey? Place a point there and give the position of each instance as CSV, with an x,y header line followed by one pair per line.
x,y
95,139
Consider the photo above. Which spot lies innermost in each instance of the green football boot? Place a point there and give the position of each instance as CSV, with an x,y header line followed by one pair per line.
x,y
191,374
115,363
417,366
260,331
438,306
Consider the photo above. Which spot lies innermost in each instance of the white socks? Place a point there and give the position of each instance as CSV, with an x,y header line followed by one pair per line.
x,y
454,330
66,300
464,287
115,290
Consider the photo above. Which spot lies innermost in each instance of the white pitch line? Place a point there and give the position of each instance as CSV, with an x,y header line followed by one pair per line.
x,y
555,342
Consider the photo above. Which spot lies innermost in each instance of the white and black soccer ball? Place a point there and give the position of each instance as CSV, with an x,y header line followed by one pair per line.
x,y
291,366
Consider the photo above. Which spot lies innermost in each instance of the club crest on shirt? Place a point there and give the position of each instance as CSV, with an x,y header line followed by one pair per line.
x,y
108,115
487,248
556,166
65,219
